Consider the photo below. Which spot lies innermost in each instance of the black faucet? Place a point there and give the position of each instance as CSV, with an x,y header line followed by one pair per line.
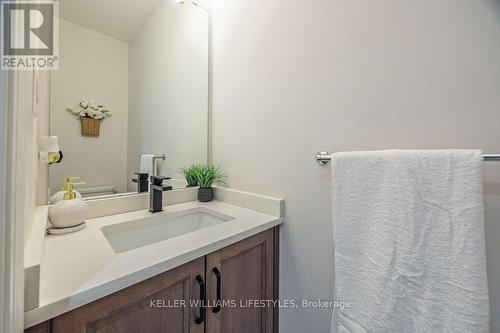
x,y
156,193
142,182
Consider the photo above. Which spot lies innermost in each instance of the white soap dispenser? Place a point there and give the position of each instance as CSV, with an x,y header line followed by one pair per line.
x,y
69,214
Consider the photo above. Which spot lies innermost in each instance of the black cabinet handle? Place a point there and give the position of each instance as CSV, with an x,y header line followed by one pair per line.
x,y
218,301
201,318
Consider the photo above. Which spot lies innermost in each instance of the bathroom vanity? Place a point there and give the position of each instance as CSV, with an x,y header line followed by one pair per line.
x,y
167,302
143,272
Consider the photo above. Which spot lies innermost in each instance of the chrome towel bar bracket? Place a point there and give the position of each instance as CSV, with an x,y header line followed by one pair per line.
x,y
324,157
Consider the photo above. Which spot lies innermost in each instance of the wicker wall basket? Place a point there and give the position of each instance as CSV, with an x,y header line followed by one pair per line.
x,y
90,127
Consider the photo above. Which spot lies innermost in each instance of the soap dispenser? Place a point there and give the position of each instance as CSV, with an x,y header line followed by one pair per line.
x,y
69,214
60,195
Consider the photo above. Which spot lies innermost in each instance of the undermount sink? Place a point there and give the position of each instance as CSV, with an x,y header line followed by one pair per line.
x,y
131,235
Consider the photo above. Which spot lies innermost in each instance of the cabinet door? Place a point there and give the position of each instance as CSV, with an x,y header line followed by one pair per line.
x,y
147,307
242,274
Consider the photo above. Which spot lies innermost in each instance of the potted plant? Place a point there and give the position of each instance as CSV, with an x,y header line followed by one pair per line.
x,y
206,176
91,115
190,173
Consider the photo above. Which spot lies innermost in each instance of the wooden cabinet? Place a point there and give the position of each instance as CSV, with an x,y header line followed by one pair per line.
x,y
40,328
240,281
144,307
237,285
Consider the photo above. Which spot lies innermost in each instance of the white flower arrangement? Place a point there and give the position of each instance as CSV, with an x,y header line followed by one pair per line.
x,y
89,109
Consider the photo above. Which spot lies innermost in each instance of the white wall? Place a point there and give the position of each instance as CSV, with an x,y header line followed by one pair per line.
x,y
42,129
168,88
26,153
92,66
292,77
31,106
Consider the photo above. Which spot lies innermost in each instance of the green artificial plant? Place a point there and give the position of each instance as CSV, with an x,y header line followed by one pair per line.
x,y
206,175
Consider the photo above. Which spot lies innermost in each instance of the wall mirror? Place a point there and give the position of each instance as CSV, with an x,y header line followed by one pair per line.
x,y
132,83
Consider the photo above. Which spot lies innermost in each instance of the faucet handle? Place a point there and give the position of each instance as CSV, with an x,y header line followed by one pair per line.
x,y
142,175
158,180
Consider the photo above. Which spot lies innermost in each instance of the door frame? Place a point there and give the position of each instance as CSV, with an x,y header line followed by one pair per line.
x,y
12,210
3,231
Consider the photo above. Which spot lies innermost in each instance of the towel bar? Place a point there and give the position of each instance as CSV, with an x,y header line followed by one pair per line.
x,y
323,157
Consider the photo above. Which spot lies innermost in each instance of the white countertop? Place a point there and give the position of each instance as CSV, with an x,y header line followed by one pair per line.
x,y
81,267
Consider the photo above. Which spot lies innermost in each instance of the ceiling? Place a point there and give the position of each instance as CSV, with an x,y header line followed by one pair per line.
x,y
119,19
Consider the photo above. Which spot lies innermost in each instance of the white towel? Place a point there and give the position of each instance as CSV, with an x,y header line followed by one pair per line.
x,y
147,164
409,242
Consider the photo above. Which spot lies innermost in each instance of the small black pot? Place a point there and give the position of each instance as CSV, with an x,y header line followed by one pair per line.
x,y
205,194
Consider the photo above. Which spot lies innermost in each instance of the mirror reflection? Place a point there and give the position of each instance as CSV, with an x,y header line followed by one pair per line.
x,y
130,97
